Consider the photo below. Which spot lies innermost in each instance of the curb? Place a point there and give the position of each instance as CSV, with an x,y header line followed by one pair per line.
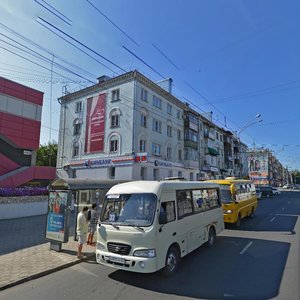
x,y
47,272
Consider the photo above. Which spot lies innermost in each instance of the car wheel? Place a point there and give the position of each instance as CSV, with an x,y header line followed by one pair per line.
x,y
172,262
211,237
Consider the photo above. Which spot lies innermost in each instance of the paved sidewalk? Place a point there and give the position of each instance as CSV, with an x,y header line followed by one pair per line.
x,y
36,261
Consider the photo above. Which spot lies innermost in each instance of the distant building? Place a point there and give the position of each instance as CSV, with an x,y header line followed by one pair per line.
x,y
20,124
265,168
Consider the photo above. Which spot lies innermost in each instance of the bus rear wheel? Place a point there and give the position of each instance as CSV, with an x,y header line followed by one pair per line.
x,y
211,237
252,213
172,262
238,221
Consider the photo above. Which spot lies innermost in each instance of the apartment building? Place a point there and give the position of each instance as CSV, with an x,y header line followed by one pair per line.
x,y
126,127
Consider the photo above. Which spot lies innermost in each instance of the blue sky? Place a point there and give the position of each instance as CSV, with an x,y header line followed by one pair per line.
x,y
235,58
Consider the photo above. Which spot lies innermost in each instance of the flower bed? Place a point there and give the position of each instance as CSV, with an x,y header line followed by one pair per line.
x,y
25,191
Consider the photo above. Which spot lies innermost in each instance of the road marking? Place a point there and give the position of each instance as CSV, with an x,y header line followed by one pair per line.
x,y
246,248
272,219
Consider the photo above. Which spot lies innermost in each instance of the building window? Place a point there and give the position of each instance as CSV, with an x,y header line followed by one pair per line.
x,y
179,154
156,125
113,146
169,153
78,107
156,102
143,120
179,134
144,95
143,173
112,172
170,173
76,127
115,120
191,176
75,150
178,114
217,136
115,95
155,174
169,131
142,145
221,138
179,174
156,149
169,109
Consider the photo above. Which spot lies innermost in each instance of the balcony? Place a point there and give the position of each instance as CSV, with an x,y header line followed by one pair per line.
x,y
212,151
191,144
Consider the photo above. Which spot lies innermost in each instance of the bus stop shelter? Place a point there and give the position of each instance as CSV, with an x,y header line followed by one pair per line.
x,y
82,192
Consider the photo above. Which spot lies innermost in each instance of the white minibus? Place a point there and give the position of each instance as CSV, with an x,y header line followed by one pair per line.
x,y
146,226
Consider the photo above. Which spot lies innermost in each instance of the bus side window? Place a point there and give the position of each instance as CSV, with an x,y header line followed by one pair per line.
x,y
169,209
184,203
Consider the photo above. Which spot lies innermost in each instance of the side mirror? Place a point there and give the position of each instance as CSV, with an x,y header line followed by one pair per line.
x,y
162,218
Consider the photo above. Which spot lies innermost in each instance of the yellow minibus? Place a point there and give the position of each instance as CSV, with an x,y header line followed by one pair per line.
x,y
146,226
239,199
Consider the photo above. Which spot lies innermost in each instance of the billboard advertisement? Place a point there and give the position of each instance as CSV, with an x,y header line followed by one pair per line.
x,y
57,221
258,168
95,124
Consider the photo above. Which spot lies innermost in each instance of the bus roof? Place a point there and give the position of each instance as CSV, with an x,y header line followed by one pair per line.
x,y
230,181
156,187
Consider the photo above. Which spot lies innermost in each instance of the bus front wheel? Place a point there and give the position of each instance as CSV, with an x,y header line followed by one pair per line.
x,y
172,262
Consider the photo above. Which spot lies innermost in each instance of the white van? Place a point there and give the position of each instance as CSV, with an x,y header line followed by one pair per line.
x,y
149,225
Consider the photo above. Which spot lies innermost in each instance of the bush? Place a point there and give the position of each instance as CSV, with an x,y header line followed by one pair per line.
x,y
24,191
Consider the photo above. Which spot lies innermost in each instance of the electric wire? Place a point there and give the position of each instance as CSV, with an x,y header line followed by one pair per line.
x,y
113,23
52,12
80,43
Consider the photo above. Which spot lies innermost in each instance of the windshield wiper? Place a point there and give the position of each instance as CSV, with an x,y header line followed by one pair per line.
x,y
134,226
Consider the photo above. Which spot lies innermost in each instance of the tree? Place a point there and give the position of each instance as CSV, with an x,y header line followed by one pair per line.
x,y
46,154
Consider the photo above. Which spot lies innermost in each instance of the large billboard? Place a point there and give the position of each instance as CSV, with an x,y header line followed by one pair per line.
x,y
95,124
258,167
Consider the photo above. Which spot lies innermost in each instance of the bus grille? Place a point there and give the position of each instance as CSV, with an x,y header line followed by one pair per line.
x,y
119,248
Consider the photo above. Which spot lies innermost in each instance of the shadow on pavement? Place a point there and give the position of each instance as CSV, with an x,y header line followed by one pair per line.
x,y
17,234
221,272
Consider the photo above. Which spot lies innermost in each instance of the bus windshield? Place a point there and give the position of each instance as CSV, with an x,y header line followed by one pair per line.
x,y
129,209
226,196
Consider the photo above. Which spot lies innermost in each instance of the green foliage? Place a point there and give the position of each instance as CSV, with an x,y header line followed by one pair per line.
x,y
46,155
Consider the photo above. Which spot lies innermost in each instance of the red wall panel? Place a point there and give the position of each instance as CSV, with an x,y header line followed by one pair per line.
x,y
20,91
26,136
7,165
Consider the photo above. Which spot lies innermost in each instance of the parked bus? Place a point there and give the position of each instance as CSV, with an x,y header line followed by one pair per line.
x,y
239,199
149,225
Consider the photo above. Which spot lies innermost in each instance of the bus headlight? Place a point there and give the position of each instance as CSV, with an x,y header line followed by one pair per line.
x,y
100,247
145,253
228,211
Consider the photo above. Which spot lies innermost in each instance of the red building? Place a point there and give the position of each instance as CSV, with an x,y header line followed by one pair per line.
x,y
20,125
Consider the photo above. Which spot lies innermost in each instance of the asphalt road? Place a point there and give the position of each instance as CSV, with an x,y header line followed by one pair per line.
x,y
260,260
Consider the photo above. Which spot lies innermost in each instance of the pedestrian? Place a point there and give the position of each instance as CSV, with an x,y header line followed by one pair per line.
x,y
93,219
82,229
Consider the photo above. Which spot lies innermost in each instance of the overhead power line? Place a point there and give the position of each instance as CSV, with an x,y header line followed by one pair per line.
x,y
80,43
113,23
29,41
143,62
57,14
165,56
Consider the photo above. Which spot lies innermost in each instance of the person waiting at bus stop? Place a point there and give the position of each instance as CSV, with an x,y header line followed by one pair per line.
x,y
93,219
82,230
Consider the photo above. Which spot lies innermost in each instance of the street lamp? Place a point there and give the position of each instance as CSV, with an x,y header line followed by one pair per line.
x,y
257,120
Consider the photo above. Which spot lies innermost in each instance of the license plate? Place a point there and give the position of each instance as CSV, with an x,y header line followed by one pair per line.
x,y
115,259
